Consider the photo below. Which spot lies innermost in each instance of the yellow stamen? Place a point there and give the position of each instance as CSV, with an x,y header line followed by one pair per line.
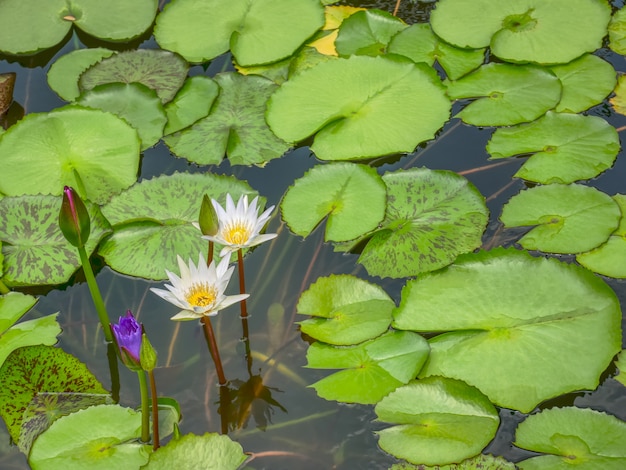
x,y
237,233
201,295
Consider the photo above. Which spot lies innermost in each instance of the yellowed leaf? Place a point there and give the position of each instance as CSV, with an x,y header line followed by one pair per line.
x,y
619,100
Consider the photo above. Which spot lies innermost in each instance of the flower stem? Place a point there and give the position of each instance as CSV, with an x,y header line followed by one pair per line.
x,y
215,354
242,286
3,288
145,413
114,371
155,412
209,257
95,294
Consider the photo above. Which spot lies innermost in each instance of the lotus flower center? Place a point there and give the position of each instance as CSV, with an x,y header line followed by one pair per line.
x,y
237,233
201,295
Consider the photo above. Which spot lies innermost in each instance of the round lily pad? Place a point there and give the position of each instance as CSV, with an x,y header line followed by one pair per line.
x,y
376,106
367,32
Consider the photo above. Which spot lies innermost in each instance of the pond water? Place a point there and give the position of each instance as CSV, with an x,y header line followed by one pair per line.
x,y
298,428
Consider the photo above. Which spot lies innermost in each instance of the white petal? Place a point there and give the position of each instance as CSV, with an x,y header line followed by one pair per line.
x,y
165,295
185,315
232,299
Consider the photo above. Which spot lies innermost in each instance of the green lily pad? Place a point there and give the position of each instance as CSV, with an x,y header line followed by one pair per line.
x,y
192,102
617,32
26,373
438,421
352,196
135,103
608,258
44,152
619,100
236,126
575,437
506,94
375,106
210,451
565,147
348,310
28,26
64,73
163,71
479,462
621,367
367,32
152,222
371,369
568,218
73,442
419,43
521,329
257,32
35,250
586,81
552,32
432,216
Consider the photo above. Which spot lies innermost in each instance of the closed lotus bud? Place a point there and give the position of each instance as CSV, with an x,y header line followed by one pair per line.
x,y
207,220
74,218
128,335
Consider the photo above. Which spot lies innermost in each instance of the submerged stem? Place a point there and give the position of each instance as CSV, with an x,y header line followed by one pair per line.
x,y
95,294
215,354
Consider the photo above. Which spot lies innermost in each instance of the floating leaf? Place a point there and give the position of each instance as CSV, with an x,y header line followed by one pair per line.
x,y
162,71
376,106
73,442
438,421
551,32
236,126
334,15
576,437
367,32
352,196
432,217
38,253
26,373
479,462
619,100
348,310
617,32
566,147
44,152
192,102
152,222
608,258
210,451
521,329
506,94
621,367
256,32
568,218
372,369
135,103
64,73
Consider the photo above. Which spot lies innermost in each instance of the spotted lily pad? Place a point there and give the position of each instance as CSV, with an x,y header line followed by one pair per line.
x,y
236,126
506,94
352,196
162,71
565,147
522,329
432,216
367,32
437,421
567,218
35,251
192,102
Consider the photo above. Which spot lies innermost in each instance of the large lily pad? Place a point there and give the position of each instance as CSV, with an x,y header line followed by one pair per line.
x,y
551,32
236,126
521,329
192,102
565,147
371,369
152,221
257,32
367,32
432,216
35,250
347,310
353,197
575,437
438,421
568,218
45,151
27,26
506,94
375,106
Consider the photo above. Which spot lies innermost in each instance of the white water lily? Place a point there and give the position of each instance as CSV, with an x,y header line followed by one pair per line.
x,y
239,226
199,291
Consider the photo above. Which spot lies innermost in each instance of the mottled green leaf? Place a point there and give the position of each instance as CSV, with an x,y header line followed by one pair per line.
x,y
192,102
367,32
479,462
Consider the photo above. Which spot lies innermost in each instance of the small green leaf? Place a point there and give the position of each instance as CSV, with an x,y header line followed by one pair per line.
x,y
367,32
617,31
12,306
621,368
192,102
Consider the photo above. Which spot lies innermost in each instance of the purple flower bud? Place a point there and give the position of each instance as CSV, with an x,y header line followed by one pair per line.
x,y
128,335
74,218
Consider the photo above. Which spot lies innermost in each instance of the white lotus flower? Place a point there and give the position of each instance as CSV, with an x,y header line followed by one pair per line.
x,y
199,291
239,226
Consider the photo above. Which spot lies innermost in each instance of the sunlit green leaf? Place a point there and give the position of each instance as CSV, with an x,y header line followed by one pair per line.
x,y
12,306
621,367
367,32
192,102
619,100
438,421
617,31
567,218
521,329
352,196
375,106
565,147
